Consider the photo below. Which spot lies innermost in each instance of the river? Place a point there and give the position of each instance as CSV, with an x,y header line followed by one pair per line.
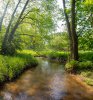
x,y
48,81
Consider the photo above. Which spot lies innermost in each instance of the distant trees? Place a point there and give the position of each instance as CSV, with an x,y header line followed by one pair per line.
x,y
58,41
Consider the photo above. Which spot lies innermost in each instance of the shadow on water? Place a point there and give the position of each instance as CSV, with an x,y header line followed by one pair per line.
x,y
48,81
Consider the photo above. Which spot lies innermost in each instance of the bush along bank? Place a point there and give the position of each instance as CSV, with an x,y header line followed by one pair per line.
x,y
11,67
76,66
64,56
58,56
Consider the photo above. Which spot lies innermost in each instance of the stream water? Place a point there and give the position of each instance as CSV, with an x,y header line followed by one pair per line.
x,y
48,81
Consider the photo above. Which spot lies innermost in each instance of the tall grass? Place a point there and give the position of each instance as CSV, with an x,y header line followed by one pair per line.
x,y
86,55
11,67
31,52
60,56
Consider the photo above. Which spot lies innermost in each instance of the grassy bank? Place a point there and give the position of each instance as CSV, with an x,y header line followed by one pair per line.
x,y
83,67
83,55
11,67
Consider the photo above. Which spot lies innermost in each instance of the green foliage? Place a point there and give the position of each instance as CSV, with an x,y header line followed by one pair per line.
x,y
85,65
86,73
71,66
87,77
89,81
60,56
86,41
77,66
29,52
44,53
86,56
59,41
11,67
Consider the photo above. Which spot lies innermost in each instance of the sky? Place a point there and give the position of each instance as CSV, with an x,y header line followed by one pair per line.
x,y
60,23
60,3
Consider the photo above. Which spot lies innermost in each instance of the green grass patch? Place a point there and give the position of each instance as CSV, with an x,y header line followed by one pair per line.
x,y
60,56
31,52
87,76
86,56
78,66
11,67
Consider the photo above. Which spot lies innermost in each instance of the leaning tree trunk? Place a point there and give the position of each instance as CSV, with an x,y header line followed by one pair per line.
x,y
11,36
8,47
5,39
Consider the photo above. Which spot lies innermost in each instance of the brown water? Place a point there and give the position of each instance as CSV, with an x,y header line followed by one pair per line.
x,y
48,81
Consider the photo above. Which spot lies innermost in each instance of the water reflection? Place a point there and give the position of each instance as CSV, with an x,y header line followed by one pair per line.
x,y
48,81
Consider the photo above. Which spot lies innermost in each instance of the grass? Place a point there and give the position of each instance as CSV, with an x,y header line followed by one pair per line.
x,y
83,55
31,52
87,77
60,56
86,56
10,67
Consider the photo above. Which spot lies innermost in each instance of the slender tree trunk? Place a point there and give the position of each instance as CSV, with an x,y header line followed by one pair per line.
x,y
4,13
11,36
69,29
12,17
73,31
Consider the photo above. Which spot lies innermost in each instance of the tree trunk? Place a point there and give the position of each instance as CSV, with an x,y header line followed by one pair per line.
x,y
73,38
5,40
11,36
69,29
7,45
73,31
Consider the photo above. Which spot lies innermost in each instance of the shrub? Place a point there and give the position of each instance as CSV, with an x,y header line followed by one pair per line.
x,y
85,65
89,81
77,66
29,52
71,66
60,56
86,73
86,55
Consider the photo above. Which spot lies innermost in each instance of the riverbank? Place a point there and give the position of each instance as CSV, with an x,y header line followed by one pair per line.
x,y
12,66
48,81
83,67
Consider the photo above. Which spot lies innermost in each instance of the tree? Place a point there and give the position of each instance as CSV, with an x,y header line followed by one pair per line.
x,y
7,46
4,13
71,26
5,40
